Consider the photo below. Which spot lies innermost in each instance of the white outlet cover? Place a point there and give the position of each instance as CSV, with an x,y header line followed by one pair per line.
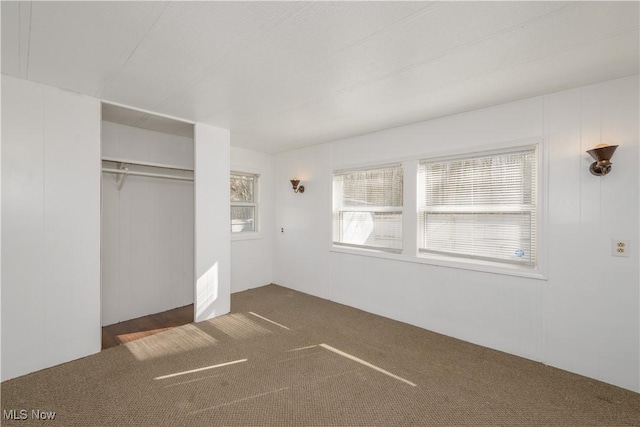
x,y
620,248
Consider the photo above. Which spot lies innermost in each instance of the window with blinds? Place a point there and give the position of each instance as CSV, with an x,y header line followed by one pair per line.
x,y
367,208
482,207
244,202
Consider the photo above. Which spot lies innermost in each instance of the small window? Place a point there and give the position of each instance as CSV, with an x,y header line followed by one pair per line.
x,y
481,207
244,203
367,208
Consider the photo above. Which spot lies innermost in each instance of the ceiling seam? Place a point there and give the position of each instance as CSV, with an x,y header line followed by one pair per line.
x,y
387,28
24,73
19,43
29,37
115,73
145,34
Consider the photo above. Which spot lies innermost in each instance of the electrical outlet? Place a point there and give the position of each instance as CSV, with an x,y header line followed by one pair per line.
x,y
620,248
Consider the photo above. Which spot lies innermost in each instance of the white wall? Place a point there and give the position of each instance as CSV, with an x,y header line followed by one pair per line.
x,y
301,257
212,222
584,318
147,226
1,377
50,226
251,256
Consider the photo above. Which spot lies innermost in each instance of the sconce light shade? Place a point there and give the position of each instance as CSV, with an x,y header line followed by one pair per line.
x,y
602,154
296,188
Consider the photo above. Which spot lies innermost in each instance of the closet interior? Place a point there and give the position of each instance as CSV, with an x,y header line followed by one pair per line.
x,y
147,215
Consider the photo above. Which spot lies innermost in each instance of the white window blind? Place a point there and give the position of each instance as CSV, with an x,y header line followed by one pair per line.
x,y
244,206
367,208
482,207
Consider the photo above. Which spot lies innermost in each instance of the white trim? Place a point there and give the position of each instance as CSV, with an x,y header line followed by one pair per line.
x,y
542,218
346,171
521,146
153,113
448,262
241,170
244,204
368,247
247,235
410,207
381,209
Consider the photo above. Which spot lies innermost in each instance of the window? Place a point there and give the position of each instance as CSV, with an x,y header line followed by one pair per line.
x,y
367,208
244,203
481,207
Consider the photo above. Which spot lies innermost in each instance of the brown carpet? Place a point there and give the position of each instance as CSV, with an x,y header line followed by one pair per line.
x,y
334,365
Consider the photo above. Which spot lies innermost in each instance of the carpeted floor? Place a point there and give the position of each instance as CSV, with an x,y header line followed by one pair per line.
x,y
319,364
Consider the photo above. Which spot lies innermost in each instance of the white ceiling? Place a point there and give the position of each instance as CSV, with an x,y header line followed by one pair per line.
x,y
282,75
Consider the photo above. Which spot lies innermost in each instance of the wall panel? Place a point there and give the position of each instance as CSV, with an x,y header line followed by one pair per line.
x,y
212,222
51,228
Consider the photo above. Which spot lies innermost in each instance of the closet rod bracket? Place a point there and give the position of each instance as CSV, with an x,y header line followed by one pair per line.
x,y
120,178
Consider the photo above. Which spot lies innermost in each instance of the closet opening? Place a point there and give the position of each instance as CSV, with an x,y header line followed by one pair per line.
x,y
147,224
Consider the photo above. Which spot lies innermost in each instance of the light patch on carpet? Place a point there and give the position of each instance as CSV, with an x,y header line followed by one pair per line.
x,y
174,341
238,400
238,326
269,320
206,368
132,336
365,363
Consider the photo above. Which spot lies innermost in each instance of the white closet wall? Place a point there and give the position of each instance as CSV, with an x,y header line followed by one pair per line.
x,y
50,226
147,226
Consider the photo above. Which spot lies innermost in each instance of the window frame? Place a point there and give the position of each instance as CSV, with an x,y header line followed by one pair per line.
x,y
489,209
374,210
410,251
256,232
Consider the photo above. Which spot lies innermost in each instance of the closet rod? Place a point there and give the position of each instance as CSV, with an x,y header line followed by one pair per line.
x,y
141,163
153,175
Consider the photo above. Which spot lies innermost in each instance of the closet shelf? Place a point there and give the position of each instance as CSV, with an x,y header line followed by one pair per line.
x,y
142,163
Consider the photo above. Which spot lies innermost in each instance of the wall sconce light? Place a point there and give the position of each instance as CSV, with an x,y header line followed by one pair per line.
x,y
296,188
602,154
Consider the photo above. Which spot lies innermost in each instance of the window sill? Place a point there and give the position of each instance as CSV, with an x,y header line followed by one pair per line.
x,y
448,262
246,236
